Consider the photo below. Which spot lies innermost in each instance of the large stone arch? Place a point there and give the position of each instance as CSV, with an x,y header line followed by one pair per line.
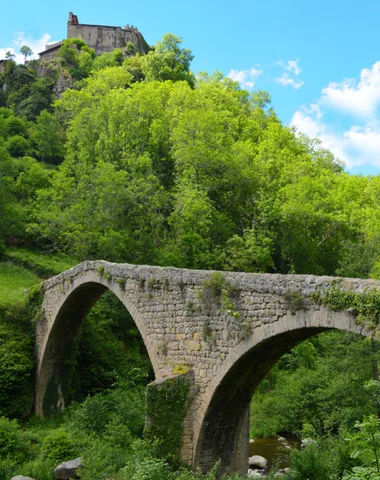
x,y
222,420
57,333
186,329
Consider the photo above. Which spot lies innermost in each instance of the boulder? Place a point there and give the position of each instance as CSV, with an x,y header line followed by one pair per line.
x,y
306,442
254,474
68,470
257,461
21,477
282,472
282,439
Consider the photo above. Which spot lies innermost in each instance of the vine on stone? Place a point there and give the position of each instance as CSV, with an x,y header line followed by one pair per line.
x,y
365,306
167,406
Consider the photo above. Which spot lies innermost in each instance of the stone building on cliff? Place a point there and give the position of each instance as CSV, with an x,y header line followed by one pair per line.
x,y
101,38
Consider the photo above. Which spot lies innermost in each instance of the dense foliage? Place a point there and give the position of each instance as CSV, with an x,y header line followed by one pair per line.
x,y
141,161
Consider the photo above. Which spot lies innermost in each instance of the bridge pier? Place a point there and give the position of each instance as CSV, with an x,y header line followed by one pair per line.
x,y
169,416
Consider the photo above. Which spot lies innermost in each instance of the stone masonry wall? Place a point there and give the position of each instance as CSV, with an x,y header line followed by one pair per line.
x,y
183,330
104,38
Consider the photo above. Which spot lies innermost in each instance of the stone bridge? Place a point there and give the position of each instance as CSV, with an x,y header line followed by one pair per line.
x,y
225,329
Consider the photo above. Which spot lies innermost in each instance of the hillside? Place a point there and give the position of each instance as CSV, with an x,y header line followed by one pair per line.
x,y
143,162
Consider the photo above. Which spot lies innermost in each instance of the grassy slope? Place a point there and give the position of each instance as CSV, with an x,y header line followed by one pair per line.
x,y
14,280
25,268
44,265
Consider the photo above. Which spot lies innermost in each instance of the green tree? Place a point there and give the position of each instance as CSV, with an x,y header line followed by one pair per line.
x,y
26,51
365,442
45,135
77,57
318,384
9,55
168,61
17,146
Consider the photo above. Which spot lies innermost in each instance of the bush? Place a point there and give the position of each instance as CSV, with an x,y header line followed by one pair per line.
x,y
363,473
16,364
58,447
7,467
106,413
39,468
313,463
101,460
14,444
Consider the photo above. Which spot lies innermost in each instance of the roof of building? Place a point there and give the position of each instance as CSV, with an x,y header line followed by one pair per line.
x,y
51,47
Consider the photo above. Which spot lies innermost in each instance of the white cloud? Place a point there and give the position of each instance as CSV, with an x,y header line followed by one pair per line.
x,y
285,80
359,143
365,142
308,122
291,66
294,67
20,39
315,108
361,99
246,78
356,146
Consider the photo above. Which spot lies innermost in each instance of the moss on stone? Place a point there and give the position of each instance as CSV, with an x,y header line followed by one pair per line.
x,y
167,405
365,305
294,300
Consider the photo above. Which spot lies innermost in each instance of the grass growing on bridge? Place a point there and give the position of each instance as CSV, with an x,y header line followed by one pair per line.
x,y
14,280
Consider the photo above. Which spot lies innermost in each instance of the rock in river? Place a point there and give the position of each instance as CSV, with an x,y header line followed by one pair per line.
x,y
257,461
255,474
21,477
68,470
306,442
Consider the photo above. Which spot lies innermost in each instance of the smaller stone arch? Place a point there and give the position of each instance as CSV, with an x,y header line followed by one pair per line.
x,y
66,306
222,421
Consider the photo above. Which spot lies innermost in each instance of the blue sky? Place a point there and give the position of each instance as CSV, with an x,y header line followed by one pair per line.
x,y
320,61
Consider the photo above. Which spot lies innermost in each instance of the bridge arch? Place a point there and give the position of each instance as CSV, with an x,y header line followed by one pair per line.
x,y
226,356
58,332
222,421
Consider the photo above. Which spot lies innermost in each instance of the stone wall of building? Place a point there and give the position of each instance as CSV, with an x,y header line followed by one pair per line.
x,y
105,38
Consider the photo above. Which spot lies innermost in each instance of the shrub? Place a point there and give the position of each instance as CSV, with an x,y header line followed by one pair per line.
x,y
58,446
313,463
14,443
16,363
362,473
38,468
102,460
7,467
109,412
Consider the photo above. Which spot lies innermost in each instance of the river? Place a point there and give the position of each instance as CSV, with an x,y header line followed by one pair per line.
x,y
275,450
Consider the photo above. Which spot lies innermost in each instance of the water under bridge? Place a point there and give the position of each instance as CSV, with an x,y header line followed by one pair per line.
x,y
223,330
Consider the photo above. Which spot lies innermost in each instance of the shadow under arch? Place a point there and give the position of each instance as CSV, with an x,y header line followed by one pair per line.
x,y
223,429
56,356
